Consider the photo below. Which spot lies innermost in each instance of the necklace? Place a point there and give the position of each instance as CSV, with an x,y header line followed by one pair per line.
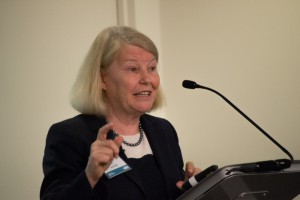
x,y
140,138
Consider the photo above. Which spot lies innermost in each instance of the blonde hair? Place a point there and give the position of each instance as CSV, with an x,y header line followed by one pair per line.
x,y
87,97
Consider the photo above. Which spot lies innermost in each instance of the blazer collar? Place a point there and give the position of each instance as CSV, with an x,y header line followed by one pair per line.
x,y
153,132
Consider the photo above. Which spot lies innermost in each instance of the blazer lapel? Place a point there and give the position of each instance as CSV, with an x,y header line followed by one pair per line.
x,y
155,135
132,174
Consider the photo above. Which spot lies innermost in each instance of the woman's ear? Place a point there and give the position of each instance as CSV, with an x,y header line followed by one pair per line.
x,y
103,82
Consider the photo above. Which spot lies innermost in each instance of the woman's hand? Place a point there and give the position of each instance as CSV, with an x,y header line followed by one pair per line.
x,y
102,153
190,170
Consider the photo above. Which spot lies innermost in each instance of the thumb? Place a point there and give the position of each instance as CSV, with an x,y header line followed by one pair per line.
x,y
119,140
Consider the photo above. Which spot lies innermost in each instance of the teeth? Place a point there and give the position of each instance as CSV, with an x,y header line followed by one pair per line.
x,y
143,93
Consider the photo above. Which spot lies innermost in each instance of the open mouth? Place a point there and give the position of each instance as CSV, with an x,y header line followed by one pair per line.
x,y
143,93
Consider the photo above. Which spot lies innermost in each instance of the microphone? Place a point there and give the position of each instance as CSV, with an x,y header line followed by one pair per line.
x,y
262,166
193,85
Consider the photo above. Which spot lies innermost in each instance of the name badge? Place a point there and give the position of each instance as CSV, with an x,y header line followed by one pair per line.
x,y
117,167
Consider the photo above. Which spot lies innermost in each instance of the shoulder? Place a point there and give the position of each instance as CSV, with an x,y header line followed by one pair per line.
x,y
156,121
154,124
80,122
153,119
80,119
78,127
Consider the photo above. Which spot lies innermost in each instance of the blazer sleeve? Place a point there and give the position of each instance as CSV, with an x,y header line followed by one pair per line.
x,y
64,162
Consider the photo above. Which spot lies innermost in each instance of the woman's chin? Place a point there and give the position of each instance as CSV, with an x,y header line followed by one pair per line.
x,y
143,109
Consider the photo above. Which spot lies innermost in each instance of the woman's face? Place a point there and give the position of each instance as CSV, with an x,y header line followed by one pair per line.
x,y
131,81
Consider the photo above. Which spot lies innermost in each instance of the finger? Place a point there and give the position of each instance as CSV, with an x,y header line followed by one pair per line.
x,y
102,156
105,147
119,141
197,170
179,184
189,169
105,161
112,146
102,133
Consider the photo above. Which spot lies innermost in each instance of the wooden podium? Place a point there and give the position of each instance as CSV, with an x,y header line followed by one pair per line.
x,y
230,184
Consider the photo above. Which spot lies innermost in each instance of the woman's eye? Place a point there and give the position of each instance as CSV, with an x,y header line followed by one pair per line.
x,y
132,69
153,69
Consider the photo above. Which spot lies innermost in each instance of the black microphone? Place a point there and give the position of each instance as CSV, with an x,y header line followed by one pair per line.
x,y
192,85
262,166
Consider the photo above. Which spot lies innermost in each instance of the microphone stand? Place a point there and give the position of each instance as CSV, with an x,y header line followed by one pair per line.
x,y
195,85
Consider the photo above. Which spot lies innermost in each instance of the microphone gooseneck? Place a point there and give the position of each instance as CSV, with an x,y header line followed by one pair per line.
x,y
193,85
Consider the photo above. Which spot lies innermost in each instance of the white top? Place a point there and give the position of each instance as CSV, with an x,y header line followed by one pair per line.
x,y
137,151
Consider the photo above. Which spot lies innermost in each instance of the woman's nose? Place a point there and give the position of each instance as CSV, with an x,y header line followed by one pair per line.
x,y
145,77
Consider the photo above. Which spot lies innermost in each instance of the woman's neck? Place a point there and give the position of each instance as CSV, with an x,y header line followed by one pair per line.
x,y
124,126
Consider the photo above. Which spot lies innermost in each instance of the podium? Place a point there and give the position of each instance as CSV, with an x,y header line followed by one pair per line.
x,y
229,184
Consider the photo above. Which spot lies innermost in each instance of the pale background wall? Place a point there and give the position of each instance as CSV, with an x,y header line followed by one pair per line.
x,y
248,50
42,46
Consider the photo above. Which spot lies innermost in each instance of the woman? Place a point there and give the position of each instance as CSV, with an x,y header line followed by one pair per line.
x,y
117,85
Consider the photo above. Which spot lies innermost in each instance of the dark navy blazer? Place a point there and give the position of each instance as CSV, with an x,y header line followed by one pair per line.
x,y
68,148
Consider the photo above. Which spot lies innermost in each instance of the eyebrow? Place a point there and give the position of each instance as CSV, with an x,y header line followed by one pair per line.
x,y
136,60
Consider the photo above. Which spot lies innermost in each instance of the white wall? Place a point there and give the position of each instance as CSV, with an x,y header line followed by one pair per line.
x,y
42,46
247,50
